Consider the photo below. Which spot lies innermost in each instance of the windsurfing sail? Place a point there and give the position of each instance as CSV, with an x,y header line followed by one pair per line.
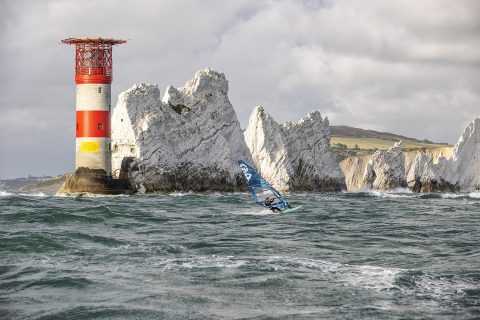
x,y
262,192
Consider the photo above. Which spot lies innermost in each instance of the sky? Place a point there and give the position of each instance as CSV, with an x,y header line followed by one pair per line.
x,y
410,67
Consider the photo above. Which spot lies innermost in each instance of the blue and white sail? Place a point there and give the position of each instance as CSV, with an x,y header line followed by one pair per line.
x,y
262,192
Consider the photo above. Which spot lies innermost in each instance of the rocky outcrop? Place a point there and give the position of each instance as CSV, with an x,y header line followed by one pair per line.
x,y
424,176
294,156
461,172
463,167
423,171
189,140
435,153
386,169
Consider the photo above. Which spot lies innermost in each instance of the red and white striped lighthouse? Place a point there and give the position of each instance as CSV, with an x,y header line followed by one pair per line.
x,y
93,76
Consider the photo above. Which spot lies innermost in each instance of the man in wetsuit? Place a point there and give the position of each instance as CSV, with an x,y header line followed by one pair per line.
x,y
268,202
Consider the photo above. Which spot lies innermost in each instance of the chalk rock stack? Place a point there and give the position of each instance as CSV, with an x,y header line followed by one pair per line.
x,y
459,173
424,176
463,168
294,157
386,169
189,140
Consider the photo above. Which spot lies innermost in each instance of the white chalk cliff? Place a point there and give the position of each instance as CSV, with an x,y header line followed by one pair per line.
x,y
423,175
189,140
386,169
294,156
463,167
460,172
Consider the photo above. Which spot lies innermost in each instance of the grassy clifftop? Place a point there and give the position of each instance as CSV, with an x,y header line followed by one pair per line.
x,y
348,141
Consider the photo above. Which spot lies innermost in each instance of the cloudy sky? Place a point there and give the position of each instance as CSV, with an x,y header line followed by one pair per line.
x,y
410,67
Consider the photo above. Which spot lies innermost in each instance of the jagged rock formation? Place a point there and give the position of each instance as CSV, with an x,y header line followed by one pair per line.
x,y
190,140
463,168
422,170
294,157
386,169
441,164
424,176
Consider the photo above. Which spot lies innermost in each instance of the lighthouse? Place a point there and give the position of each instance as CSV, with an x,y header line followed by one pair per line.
x,y
93,78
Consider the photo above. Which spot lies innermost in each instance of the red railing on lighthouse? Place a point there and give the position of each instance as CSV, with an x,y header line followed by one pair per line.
x,y
93,59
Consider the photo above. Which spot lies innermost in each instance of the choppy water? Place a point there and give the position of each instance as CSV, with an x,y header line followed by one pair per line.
x,y
216,256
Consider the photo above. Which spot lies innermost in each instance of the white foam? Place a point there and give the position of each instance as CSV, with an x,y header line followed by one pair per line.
x,y
381,278
475,195
395,193
201,262
216,195
372,277
90,195
364,276
441,288
452,195
256,212
360,190
35,195
180,194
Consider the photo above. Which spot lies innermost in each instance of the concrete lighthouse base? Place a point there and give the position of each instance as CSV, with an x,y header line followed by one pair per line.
x,y
94,181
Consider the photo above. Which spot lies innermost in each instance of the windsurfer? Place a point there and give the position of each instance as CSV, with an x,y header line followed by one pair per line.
x,y
275,201
269,203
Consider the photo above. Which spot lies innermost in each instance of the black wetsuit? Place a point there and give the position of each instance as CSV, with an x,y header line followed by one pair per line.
x,y
275,209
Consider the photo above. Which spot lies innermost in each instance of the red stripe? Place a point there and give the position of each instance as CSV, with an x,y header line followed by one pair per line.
x,y
93,124
86,79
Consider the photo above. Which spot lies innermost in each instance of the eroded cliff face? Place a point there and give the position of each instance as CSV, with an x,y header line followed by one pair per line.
x,y
421,170
189,140
294,156
354,169
386,169
424,176
463,168
435,154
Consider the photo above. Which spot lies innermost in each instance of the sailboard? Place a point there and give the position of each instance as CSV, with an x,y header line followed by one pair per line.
x,y
262,191
290,210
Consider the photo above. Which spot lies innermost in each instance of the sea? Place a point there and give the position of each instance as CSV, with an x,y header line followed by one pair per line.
x,y
363,255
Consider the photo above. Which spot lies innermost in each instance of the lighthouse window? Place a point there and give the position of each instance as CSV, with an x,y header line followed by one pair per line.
x,y
100,126
99,89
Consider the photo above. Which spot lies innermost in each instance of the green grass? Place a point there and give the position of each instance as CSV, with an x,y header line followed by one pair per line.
x,y
372,143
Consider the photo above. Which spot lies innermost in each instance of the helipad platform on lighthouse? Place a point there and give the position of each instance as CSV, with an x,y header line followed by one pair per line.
x,y
93,40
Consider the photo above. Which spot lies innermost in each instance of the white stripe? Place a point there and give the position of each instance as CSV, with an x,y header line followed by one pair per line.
x,y
94,97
